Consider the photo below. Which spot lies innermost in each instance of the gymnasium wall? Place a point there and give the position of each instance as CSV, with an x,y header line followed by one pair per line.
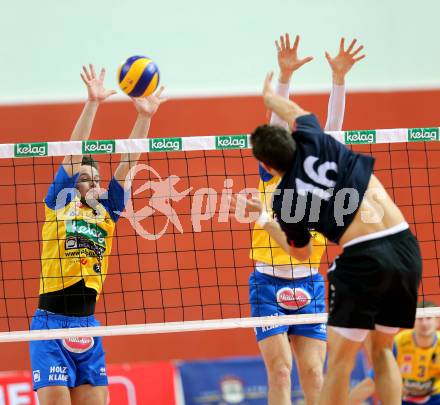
x,y
209,116
211,48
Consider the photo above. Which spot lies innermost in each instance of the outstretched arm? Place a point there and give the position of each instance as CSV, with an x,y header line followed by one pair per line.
x,y
288,62
340,65
96,94
146,108
287,110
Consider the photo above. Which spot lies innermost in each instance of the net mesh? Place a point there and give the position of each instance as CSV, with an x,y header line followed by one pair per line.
x,y
177,257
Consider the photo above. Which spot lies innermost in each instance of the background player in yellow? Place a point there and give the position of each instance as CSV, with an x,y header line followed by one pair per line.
x,y
280,284
80,219
417,352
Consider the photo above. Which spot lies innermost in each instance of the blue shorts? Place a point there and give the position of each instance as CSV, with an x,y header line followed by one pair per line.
x,y
433,400
274,296
67,362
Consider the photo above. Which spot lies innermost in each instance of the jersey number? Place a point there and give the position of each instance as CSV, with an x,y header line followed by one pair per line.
x,y
319,176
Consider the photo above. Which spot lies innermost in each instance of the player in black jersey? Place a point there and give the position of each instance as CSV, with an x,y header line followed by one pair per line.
x,y
373,284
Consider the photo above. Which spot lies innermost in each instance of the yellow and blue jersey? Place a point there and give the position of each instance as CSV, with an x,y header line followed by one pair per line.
x,y
264,248
77,240
419,367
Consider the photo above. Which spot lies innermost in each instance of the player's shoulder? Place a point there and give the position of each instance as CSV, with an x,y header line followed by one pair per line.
x,y
267,185
307,122
404,338
437,335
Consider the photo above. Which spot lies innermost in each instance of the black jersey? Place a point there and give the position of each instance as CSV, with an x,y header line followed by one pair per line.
x,y
324,187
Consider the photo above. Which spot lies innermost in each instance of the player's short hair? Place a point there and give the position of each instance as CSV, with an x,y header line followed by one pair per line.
x,y
87,160
274,146
426,304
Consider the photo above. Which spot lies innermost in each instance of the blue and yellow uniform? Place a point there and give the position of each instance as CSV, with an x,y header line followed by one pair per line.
x,y
77,241
280,284
420,369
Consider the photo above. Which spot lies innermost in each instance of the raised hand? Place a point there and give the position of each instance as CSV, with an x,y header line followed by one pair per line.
x,y
344,60
149,105
288,59
95,85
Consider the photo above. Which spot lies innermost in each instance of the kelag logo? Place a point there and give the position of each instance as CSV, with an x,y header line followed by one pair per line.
x,y
165,144
423,134
360,137
89,231
94,147
231,142
30,149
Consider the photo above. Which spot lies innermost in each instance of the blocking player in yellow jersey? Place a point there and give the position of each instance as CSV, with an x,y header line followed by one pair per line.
x,y
417,352
280,284
80,220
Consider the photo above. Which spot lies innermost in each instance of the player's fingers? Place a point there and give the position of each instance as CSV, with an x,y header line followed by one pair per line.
x,y
268,79
341,45
359,58
102,74
296,43
306,60
86,73
92,71
283,43
356,51
160,91
277,46
351,46
84,79
287,41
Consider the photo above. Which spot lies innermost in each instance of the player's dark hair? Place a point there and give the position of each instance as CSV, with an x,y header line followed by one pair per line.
x,y
274,146
87,160
426,304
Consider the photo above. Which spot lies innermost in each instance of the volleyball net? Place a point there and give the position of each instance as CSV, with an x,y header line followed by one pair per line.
x,y
179,262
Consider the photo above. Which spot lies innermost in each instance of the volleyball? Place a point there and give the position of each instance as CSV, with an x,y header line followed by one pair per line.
x,y
138,76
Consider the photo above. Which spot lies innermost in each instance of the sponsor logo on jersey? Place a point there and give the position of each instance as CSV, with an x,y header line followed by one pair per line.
x,y
87,230
81,246
271,326
58,373
97,268
360,137
37,375
71,243
78,344
231,142
293,298
95,147
423,134
165,144
30,149
416,388
406,368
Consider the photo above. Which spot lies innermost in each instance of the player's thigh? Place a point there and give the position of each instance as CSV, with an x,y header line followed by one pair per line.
x,y
381,340
89,394
54,395
309,352
342,351
276,351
